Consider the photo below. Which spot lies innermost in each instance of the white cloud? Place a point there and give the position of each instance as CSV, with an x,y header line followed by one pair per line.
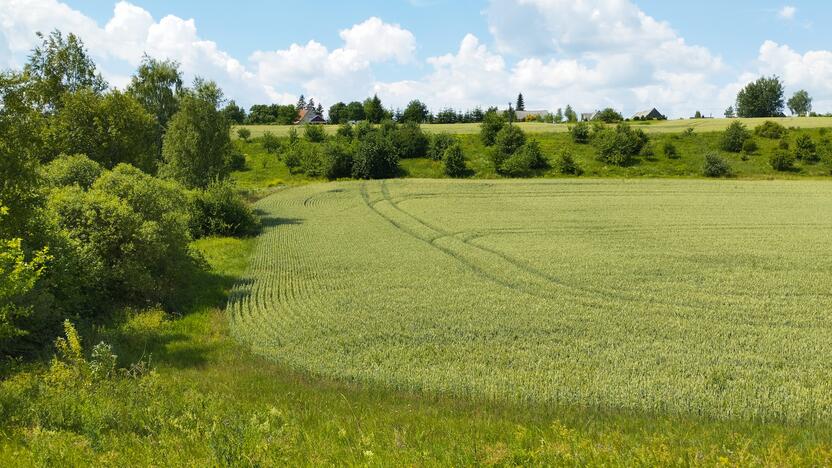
x,y
787,12
375,41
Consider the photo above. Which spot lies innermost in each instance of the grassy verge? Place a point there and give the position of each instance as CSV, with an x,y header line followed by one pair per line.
x,y
210,402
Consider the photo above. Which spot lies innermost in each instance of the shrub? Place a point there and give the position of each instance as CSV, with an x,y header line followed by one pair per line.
x,y
491,124
772,130
439,142
219,211
688,132
270,143
805,149
715,166
580,133
338,160
408,139
609,115
508,140
783,144
362,129
781,160
344,131
670,151
619,146
244,133
76,169
734,137
566,164
375,157
314,133
454,160
526,159
750,146
236,160
293,136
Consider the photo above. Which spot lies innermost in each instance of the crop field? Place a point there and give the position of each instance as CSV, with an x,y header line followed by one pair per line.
x,y
665,126
692,297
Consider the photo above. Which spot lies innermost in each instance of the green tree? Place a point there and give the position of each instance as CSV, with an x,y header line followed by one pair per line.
x,y
157,85
491,124
609,115
454,161
729,112
734,137
761,98
197,143
521,104
697,115
507,141
301,103
373,110
355,111
416,111
338,113
558,118
244,133
570,114
234,113
61,65
800,103
619,146
375,157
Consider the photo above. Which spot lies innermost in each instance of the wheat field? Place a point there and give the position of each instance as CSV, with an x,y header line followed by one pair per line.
x,y
692,297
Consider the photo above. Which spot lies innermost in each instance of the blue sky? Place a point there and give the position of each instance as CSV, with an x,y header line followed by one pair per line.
x,y
629,54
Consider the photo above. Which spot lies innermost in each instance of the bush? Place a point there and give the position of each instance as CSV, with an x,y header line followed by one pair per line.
x,y
219,211
670,151
244,133
781,160
314,133
772,130
734,137
783,144
454,160
619,146
362,129
491,124
236,160
566,164
408,139
76,169
338,160
293,136
508,140
750,146
526,159
609,115
344,131
715,166
439,142
270,143
805,149
375,157
580,133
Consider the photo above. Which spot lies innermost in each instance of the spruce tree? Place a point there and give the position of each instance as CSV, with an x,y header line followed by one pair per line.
x,y
521,106
301,103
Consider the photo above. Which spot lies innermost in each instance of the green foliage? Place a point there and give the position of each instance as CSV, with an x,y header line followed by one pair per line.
x,y
750,146
270,143
521,104
314,133
344,131
76,169
772,130
218,210
293,136
416,111
197,143
338,113
373,111
409,139
715,166
109,129
800,103
761,98
609,115
734,137
566,164
580,132
524,161
619,146
454,160
439,143
492,123
272,114
669,150
338,156
570,114
236,159
234,113
375,157
729,112
805,148
781,160
507,141
244,133
157,85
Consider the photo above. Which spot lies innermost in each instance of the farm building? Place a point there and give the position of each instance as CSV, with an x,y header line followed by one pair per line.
x,y
652,114
522,116
309,116
587,116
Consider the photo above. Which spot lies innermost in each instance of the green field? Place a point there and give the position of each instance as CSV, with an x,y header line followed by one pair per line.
x,y
665,126
697,298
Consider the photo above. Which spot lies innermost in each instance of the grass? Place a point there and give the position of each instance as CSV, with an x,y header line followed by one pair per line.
x,y
696,298
211,402
665,126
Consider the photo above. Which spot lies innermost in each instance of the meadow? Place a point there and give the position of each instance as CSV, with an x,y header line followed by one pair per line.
x,y
690,297
655,126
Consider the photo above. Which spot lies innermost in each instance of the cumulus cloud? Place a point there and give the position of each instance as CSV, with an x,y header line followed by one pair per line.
x,y
787,12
